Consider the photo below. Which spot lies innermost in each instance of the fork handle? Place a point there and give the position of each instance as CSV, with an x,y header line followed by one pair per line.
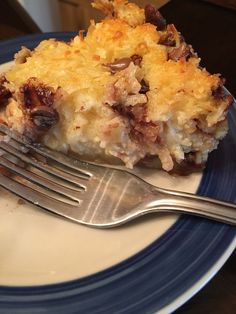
x,y
180,202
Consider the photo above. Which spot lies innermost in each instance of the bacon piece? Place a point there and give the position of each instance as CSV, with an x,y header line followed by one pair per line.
x,y
167,39
184,51
220,94
140,130
136,59
187,166
5,93
153,16
146,131
139,112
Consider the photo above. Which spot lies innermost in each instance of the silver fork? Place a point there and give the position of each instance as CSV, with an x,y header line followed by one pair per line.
x,y
89,194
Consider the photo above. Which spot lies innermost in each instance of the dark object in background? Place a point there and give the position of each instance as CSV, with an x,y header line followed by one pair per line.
x,y
231,4
15,21
211,30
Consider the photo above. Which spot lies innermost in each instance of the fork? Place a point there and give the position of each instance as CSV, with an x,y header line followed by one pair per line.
x,y
91,194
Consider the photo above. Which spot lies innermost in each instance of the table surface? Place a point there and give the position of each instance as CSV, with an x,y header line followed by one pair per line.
x,y
218,296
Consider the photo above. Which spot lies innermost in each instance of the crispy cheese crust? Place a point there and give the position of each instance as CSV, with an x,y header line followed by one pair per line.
x,y
131,88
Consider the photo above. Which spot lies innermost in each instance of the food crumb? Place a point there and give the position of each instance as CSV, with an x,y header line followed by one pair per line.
x,y
20,201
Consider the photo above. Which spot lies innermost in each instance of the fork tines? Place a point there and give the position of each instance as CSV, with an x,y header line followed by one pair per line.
x,y
35,170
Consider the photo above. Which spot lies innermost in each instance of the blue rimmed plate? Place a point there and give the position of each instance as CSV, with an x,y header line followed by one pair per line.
x,y
49,265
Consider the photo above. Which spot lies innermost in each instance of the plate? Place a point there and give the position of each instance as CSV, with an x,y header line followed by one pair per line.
x,y
154,264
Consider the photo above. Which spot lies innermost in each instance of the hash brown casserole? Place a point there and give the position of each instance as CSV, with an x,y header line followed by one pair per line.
x,y
129,89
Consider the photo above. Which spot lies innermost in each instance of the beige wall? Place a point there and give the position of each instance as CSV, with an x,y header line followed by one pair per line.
x,y
45,13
